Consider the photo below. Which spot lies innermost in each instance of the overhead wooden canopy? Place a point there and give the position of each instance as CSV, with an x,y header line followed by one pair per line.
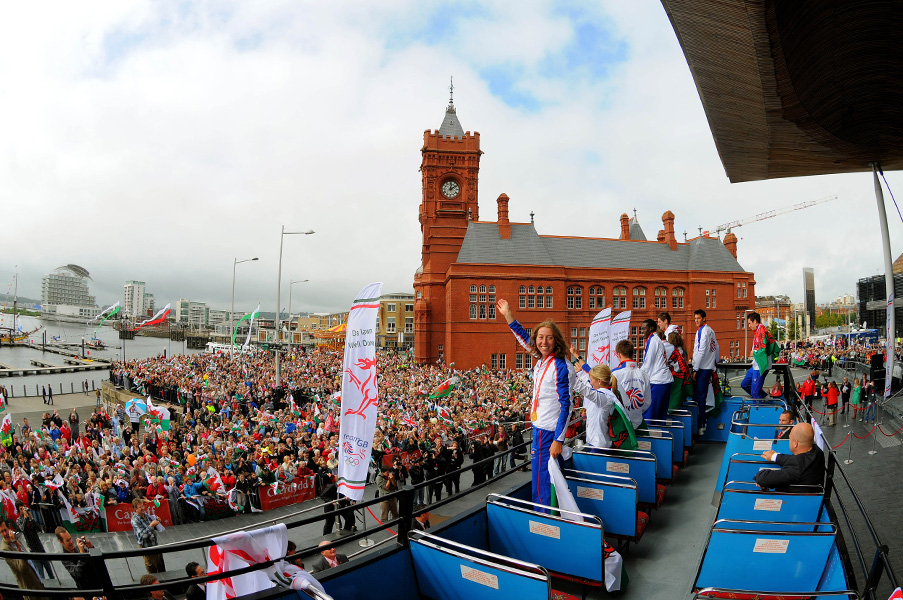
x,y
797,87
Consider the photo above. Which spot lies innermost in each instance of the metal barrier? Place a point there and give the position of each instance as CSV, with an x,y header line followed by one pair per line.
x,y
97,568
842,497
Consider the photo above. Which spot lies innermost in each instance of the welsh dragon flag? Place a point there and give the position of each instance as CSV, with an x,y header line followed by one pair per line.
x,y
158,318
158,415
213,481
6,430
445,388
444,415
620,429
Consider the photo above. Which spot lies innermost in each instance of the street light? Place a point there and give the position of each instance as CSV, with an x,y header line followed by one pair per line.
x,y
232,311
291,335
278,338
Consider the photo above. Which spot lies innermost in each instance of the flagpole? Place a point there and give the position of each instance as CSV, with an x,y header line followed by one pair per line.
x,y
888,284
232,311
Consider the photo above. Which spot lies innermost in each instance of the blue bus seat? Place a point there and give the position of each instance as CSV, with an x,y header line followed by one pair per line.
x,y
771,562
759,505
518,530
692,408
450,571
639,465
614,499
684,417
660,443
740,444
744,467
681,450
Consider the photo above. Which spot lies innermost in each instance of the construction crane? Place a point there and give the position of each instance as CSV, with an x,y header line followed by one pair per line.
x,y
771,213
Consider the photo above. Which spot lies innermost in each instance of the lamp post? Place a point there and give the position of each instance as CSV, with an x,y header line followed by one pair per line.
x,y
232,310
291,336
746,333
278,337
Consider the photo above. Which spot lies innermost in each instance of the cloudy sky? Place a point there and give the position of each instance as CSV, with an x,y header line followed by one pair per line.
x,y
161,140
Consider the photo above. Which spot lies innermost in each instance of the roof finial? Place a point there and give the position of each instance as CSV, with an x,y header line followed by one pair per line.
x,y
531,216
469,215
700,232
634,214
451,91
685,235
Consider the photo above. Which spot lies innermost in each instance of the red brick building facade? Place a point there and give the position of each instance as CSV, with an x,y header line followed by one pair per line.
x,y
469,263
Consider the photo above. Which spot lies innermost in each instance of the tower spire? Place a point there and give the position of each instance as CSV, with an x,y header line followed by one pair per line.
x,y
451,92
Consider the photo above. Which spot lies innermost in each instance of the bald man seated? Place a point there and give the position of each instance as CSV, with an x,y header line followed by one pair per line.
x,y
328,558
806,466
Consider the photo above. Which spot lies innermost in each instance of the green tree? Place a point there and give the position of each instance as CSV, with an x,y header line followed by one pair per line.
x,y
773,328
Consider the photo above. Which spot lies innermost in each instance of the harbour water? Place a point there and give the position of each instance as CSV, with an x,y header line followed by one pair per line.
x,y
140,347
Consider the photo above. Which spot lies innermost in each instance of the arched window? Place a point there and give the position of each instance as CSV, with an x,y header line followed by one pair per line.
x,y
548,289
473,289
531,290
575,297
473,311
522,290
597,297
661,298
491,289
677,297
639,297
619,297
482,289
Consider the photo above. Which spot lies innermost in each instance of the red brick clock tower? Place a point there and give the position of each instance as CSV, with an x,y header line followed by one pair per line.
x,y
450,173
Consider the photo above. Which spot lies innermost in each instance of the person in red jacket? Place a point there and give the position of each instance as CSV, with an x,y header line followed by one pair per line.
x,y
156,488
807,390
831,403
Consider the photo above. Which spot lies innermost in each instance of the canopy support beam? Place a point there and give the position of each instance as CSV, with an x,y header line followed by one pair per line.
x,y
888,283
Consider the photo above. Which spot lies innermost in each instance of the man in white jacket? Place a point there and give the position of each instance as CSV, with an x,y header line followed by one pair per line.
x,y
632,382
705,353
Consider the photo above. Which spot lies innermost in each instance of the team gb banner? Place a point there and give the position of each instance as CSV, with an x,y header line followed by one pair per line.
x,y
359,393
620,329
598,338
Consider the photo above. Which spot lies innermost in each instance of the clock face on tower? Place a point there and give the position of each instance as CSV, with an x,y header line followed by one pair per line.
x,y
450,189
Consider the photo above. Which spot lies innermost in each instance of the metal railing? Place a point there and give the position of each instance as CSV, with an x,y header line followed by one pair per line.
x,y
872,561
98,571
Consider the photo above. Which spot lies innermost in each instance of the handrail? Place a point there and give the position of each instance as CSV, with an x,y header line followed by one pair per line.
x,y
880,562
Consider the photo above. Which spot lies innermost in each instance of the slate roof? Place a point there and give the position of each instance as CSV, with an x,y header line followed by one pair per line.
x,y
451,126
483,245
636,232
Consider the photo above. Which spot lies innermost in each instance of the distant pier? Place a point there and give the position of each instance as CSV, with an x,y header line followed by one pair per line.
x,y
73,364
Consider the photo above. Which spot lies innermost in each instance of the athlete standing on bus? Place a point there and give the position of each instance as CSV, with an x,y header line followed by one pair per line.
x,y
553,380
705,353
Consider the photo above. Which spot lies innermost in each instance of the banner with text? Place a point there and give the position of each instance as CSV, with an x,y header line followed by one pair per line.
x,y
119,516
301,489
620,329
404,457
598,349
360,402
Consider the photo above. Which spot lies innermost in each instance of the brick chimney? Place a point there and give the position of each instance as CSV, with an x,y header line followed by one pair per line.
x,y
730,242
625,227
504,225
668,221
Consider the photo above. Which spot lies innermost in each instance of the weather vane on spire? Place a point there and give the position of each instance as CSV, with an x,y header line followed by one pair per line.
x,y
451,91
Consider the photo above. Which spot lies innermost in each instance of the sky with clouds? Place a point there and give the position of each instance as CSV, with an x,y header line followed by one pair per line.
x,y
161,140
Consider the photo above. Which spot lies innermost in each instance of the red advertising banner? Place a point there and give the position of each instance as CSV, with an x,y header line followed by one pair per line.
x,y
301,489
406,458
119,516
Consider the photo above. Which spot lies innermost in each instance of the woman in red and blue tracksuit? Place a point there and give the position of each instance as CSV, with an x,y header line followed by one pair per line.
x,y
550,404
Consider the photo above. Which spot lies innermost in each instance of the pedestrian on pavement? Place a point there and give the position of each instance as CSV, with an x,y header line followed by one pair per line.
x,y
50,395
44,393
